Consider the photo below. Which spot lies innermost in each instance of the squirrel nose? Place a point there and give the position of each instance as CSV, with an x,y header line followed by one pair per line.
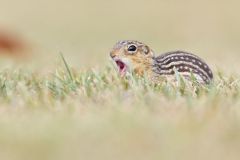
x,y
112,55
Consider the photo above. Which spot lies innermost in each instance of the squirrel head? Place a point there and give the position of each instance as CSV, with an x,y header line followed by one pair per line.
x,y
132,56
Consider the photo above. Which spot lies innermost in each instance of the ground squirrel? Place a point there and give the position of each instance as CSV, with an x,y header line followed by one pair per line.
x,y
134,56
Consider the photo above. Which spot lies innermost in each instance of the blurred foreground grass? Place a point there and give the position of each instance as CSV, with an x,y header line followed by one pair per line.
x,y
46,113
93,114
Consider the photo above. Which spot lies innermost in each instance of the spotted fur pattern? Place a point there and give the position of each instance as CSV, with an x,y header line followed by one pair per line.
x,y
165,65
183,62
123,43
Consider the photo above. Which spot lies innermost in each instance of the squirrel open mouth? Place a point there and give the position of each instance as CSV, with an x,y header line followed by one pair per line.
x,y
122,67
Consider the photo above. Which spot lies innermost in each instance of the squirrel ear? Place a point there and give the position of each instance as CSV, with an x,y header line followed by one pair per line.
x,y
145,49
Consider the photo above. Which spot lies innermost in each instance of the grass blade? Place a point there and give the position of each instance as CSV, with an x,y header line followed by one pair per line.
x,y
67,67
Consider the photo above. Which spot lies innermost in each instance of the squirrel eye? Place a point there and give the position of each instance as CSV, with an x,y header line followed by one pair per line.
x,y
132,48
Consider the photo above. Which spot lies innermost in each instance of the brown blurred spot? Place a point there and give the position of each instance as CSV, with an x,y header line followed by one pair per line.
x,y
12,44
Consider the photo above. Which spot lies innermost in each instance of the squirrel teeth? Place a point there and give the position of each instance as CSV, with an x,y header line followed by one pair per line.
x,y
122,67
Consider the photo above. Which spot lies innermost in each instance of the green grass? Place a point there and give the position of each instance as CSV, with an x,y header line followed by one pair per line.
x,y
95,114
66,110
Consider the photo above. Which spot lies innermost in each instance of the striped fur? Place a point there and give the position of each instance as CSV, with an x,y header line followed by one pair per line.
x,y
185,63
144,61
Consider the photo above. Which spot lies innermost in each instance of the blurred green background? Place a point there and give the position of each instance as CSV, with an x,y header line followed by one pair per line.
x,y
85,30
